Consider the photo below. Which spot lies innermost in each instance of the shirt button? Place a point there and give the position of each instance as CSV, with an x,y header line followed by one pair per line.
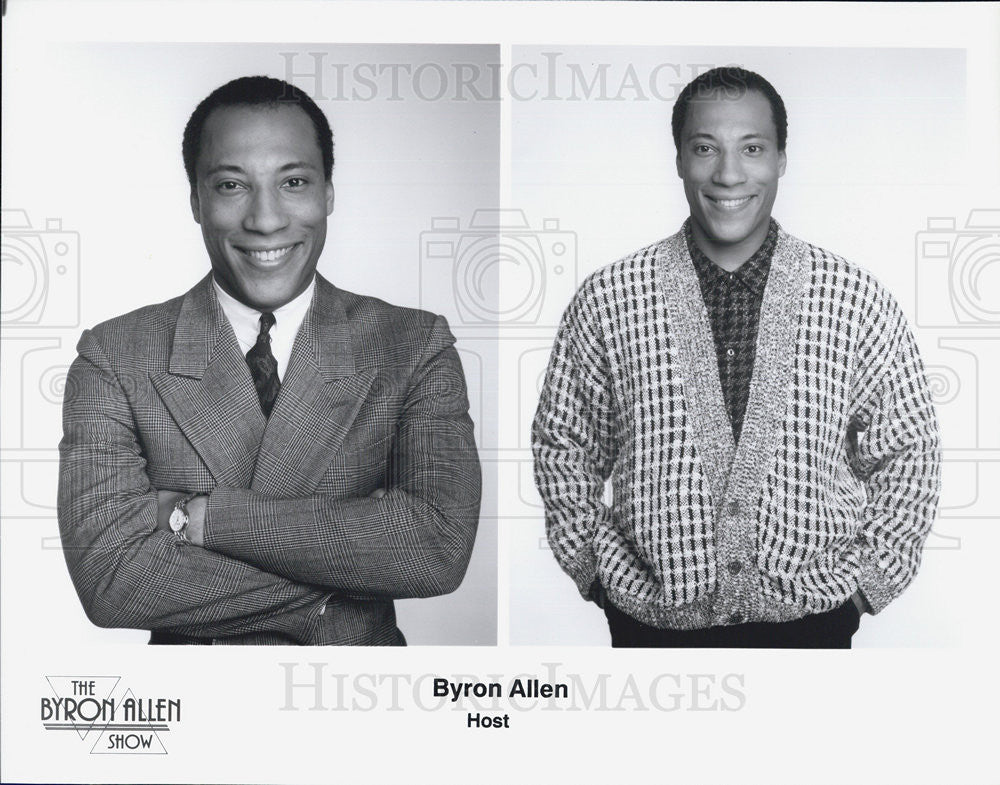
x,y
736,618
735,567
734,507
730,352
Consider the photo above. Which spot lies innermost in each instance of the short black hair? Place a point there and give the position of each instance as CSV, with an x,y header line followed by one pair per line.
x,y
734,82
255,91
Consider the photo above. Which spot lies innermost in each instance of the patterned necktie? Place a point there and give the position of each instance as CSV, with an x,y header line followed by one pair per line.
x,y
263,366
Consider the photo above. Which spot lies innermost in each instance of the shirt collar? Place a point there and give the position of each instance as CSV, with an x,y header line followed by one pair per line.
x,y
752,273
246,320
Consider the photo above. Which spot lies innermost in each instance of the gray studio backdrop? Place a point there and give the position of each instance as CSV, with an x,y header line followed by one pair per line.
x,y
95,190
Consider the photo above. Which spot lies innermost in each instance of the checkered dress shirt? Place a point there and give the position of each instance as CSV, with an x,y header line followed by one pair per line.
x,y
733,301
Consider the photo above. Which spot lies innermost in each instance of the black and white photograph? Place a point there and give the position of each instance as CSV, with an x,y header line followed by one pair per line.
x,y
381,381
812,506
254,451
736,432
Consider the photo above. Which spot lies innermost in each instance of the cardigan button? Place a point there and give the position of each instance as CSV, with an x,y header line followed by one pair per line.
x,y
736,618
735,567
734,508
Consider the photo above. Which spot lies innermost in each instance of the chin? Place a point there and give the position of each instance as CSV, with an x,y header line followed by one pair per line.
x,y
734,237
272,299
729,234
724,235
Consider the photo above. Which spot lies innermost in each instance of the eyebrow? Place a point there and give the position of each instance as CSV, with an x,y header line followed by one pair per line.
x,y
239,170
743,138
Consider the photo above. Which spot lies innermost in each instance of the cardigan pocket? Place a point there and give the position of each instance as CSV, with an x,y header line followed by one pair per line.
x,y
655,568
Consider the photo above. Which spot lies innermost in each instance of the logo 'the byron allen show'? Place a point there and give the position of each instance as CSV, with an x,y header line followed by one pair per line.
x,y
111,721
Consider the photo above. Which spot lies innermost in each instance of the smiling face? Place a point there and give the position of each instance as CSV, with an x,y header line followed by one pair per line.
x,y
262,201
730,163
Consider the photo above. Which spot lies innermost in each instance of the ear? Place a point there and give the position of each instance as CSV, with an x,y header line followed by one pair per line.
x,y
329,197
679,174
781,163
195,205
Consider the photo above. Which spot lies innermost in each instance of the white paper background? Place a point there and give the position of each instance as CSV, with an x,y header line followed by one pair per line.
x,y
877,138
916,708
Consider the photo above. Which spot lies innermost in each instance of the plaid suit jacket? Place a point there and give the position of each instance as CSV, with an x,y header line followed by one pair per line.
x,y
296,551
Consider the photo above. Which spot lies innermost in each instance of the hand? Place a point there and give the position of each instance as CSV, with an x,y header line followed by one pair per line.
x,y
860,602
166,500
378,493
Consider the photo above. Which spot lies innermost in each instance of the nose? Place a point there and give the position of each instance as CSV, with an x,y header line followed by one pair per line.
x,y
729,170
265,213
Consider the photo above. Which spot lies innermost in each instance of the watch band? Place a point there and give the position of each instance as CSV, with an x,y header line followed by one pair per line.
x,y
179,518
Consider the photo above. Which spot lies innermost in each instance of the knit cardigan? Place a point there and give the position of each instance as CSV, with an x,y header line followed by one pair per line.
x,y
832,486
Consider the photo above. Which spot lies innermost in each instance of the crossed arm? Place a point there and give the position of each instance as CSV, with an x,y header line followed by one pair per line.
x,y
412,540
250,575
126,572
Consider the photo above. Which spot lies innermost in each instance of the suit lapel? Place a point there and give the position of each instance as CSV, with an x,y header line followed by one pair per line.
x,y
321,394
209,392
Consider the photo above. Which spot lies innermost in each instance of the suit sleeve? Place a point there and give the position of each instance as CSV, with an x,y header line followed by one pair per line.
x,y
572,440
894,447
126,573
415,541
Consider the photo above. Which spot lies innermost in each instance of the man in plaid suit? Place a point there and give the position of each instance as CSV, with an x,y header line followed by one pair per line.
x,y
758,405
266,459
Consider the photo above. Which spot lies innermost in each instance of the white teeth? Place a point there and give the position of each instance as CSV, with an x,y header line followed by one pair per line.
x,y
269,256
731,203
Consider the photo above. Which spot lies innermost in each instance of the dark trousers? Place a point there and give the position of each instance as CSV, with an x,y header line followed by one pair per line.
x,y
830,630
163,638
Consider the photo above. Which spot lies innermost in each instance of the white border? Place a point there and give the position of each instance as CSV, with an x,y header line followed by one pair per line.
x,y
877,716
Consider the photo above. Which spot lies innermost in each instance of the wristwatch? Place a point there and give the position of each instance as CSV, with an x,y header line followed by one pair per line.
x,y
179,518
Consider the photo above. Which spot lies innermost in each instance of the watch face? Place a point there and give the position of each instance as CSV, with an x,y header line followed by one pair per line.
x,y
178,519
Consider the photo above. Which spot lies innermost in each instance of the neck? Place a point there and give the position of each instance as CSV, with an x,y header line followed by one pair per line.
x,y
729,256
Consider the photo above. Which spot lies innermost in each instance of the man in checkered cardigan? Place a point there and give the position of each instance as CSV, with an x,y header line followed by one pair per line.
x,y
266,459
758,404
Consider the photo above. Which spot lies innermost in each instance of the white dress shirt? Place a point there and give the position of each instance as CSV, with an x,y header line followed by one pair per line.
x,y
287,320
